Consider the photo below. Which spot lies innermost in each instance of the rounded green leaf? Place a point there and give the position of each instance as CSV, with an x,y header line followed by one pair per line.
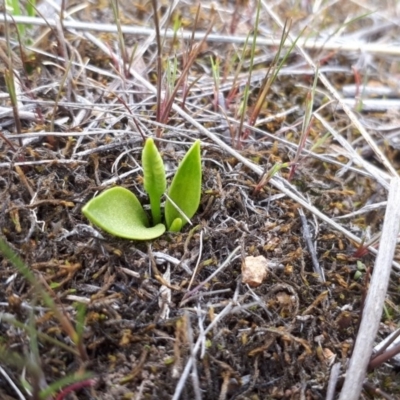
x,y
185,189
119,212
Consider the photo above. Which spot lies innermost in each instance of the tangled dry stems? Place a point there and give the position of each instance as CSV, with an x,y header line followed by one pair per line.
x,y
171,318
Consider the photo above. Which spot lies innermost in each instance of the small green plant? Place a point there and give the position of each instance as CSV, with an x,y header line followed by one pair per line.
x,y
15,9
119,212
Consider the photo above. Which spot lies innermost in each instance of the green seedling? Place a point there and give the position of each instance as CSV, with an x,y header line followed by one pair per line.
x,y
15,9
10,84
184,193
306,127
360,270
268,175
155,182
119,212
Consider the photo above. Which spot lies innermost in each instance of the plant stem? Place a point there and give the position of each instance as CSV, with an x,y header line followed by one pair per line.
x,y
155,209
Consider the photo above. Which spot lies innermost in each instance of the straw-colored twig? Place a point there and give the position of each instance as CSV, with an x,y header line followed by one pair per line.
x,y
360,46
373,307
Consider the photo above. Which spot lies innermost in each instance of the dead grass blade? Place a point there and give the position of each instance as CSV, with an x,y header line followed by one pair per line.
x,y
373,48
306,126
10,74
380,176
164,105
200,341
382,158
121,42
373,307
246,93
271,74
159,64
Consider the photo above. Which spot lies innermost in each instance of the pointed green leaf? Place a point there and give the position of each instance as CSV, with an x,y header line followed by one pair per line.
x,y
185,188
154,177
119,212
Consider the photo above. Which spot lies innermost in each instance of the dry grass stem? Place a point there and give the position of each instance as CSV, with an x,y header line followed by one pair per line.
x,y
377,292
169,33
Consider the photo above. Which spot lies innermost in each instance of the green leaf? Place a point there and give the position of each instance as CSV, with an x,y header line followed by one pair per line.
x,y
185,189
80,321
155,182
119,212
176,225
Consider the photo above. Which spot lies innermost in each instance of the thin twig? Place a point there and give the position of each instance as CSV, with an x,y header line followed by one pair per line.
x,y
307,237
360,46
333,378
12,384
200,340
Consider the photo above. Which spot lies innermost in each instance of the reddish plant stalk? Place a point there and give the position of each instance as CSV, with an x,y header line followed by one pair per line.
x,y
74,387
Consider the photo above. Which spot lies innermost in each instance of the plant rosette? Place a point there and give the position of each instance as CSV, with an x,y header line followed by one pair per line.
x,y
119,212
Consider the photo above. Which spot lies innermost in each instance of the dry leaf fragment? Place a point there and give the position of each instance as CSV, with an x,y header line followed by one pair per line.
x,y
254,270
329,356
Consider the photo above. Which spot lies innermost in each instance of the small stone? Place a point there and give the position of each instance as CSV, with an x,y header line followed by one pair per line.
x,y
254,270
